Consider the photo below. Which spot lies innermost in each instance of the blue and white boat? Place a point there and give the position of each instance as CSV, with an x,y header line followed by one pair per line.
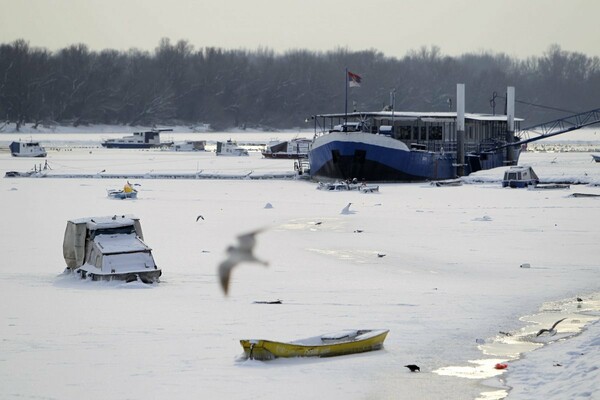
x,y
406,146
27,149
139,140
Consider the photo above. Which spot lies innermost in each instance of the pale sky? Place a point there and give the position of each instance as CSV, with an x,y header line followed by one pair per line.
x,y
519,28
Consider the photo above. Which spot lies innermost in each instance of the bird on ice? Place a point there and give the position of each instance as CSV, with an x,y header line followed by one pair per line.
x,y
199,217
413,368
237,254
550,331
346,210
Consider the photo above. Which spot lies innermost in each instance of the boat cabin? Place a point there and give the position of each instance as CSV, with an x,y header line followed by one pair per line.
x,y
27,149
230,148
520,177
428,131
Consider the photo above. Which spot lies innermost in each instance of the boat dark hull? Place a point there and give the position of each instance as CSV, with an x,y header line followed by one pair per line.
x,y
144,276
378,158
133,145
291,156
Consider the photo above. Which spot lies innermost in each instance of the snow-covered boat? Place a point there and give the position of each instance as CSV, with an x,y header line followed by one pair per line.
x,y
230,148
189,145
27,149
328,345
295,148
347,185
139,140
596,157
519,177
109,248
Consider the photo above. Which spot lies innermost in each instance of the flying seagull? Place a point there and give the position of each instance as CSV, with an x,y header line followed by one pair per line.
x,y
413,368
199,217
237,254
551,331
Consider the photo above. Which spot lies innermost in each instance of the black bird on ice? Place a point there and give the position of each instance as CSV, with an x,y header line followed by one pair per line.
x,y
237,254
551,331
413,368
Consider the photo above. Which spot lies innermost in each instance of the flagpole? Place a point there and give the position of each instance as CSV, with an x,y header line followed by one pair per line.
x,y
346,106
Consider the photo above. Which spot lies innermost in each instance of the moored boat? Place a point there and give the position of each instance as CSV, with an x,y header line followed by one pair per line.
x,y
109,248
328,345
139,140
230,148
27,149
189,145
295,148
405,146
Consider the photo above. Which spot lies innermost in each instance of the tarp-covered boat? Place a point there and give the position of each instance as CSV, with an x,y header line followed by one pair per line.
x,y
109,248
328,345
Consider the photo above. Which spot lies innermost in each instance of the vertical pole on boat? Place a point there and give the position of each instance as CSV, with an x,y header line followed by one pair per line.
x,y
510,124
393,104
346,106
460,129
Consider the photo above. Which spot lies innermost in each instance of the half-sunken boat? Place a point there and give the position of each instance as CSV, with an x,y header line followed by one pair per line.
x,y
139,140
520,177
109,248
27,149
328,345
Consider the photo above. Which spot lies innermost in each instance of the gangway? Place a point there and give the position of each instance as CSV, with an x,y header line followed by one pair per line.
x,y
553,128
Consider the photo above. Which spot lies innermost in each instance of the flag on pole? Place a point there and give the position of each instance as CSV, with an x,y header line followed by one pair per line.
x,y
353,80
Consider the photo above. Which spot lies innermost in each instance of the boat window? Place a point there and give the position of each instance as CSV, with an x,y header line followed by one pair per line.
x,y
435,133
112,231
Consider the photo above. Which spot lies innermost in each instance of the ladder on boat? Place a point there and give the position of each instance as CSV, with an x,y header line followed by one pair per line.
x,y
553,128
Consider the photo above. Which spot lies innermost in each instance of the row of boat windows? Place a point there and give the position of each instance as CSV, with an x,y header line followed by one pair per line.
x,y
475,131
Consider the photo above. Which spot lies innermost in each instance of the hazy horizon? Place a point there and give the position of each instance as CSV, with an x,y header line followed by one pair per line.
x,y
394,28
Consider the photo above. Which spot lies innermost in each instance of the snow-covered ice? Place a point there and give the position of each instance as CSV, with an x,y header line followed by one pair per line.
x,y
450,287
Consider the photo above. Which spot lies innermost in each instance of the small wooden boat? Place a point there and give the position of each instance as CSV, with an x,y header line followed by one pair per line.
x,y
328,345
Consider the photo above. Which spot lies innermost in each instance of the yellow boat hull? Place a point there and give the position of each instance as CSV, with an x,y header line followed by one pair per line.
x,y
364,340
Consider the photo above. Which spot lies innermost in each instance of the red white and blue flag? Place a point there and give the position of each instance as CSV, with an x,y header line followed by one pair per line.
x,y
353,79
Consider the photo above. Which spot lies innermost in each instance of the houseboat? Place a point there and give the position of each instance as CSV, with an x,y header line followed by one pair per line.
x,y
109,248
403,146
230,148
294,149
27,149
139,140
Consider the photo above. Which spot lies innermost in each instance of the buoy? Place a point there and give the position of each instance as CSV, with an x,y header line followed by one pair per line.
x,y
501,366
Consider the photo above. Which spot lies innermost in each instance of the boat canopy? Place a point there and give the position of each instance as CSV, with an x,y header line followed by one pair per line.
x,y
414,115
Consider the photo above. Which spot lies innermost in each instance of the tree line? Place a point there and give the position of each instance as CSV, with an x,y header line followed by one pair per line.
x,y
176,84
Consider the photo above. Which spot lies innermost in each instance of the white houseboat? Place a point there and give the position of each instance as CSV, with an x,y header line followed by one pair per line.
x,y
27,149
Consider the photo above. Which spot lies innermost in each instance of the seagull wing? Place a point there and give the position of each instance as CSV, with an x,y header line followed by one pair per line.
x,y
247,241
225,272
556,323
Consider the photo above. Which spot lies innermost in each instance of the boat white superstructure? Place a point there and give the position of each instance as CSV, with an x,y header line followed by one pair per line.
x,y
109,248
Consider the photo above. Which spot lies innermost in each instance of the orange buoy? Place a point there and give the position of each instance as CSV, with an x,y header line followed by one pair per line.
x,y
501,366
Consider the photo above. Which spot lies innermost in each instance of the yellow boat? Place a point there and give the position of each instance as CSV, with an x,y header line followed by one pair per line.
x,y
328,345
